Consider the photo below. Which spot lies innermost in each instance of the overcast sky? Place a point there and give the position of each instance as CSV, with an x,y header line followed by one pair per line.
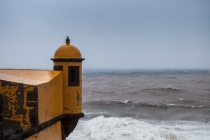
x,y
112,34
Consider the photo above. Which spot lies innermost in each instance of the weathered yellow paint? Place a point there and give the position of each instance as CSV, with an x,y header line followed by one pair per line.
x,y
72,95
11,93
49,84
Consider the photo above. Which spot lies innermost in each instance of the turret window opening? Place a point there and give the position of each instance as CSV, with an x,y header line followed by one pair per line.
x,y
73,75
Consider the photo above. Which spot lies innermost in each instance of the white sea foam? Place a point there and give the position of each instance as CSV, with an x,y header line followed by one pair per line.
x,y
126,101
114,128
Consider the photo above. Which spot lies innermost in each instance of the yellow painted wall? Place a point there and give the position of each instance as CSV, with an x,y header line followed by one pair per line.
x,y
50,105
50,99
71,103
15,94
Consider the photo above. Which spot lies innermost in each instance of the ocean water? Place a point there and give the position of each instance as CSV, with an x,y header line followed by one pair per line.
x,y
145,105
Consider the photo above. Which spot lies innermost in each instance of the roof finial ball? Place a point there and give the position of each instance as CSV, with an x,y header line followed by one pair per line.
x,y
67,40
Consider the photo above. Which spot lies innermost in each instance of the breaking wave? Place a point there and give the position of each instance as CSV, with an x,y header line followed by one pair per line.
x,y
114,128
168,89
115,103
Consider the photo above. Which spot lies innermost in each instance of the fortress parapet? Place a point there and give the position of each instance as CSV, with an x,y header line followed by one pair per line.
x,y
42,104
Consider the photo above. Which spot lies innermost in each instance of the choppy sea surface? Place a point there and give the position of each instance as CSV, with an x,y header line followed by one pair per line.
x,y
145,105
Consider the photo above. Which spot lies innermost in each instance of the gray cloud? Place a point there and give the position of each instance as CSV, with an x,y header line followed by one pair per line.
x,y
110,34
